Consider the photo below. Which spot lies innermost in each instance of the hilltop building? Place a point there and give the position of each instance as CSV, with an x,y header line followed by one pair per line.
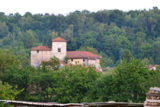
x,y
59,50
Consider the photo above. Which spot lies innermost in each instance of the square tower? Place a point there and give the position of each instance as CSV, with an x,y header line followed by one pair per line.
x,y
59,46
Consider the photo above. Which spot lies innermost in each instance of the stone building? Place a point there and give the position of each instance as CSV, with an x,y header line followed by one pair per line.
x,y
59,50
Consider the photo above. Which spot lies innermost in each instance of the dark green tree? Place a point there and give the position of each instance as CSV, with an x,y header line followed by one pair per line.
x,y
52,64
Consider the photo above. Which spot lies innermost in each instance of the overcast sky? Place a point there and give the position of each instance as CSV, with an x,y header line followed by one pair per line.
x,y
67,6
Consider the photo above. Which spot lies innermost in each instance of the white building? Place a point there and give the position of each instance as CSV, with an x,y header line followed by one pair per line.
x,y
59,50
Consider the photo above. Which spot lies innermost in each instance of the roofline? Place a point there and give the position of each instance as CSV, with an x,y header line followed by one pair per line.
x,y
83,58
88,51
61,39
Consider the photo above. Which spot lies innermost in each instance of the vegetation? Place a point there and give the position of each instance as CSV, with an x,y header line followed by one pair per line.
x,y
129,81
109,32
53,64
128,40
6,92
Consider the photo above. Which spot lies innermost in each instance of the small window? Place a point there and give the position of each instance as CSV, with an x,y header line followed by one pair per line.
x,y
83,60
72,60
59,49
37,51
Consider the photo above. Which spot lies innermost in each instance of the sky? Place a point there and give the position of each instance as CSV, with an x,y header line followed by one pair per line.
x,y
66,6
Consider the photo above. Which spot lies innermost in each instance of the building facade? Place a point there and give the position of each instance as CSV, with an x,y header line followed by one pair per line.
x,y
59,50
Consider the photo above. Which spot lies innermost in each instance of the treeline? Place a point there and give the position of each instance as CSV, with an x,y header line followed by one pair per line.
x,y
110,32
128,82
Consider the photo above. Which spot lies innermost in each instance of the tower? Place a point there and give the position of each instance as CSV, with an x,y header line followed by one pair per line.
x,y
59,46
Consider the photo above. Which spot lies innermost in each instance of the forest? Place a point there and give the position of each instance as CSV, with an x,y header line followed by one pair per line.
x,y
128,41
110,32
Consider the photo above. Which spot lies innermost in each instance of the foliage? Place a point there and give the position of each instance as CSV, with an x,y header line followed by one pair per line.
x,y
102,89
70,84
129,81
132,81
53,64
126,55
74,84
108,31
12,71
7,92
66,59
118,36
90,49
7,60
106,61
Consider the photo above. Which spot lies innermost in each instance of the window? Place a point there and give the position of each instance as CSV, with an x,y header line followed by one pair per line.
x,y
59,49
37,51
72,60
83,60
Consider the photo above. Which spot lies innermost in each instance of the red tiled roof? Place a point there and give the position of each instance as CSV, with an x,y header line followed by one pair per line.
x,y
58,39
41,48
82,54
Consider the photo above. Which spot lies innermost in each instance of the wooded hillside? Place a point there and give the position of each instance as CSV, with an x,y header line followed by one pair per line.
x,y
110,32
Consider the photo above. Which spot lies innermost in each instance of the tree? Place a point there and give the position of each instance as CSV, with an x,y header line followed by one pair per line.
x,y
7,92
52,64
74,84
105,61
14,72
155,51
102,89
3,29
131,81
47,38
29,39
126,55
111,46
66,85
147,61
68,33
90,49
7,60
